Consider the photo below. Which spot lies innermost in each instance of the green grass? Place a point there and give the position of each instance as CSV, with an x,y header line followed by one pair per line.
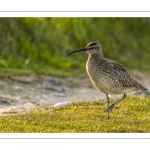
x,y
40,45
131,116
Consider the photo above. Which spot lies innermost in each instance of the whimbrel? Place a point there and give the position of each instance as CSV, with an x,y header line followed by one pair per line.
x,y
108,76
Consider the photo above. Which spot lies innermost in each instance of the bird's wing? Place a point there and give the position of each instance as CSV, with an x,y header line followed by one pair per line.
x,y
121,73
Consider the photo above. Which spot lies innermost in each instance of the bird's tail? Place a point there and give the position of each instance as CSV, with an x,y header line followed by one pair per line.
x,y
140,87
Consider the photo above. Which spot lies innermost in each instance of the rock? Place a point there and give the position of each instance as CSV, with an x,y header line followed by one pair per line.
x,y
26,80
143,93
52,80
59,94
61,104
49,86
3,100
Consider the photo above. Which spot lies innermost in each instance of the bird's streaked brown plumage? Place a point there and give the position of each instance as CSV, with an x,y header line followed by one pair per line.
x,y
108,76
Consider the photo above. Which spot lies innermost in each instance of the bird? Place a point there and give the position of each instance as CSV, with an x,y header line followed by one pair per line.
x,y
108,76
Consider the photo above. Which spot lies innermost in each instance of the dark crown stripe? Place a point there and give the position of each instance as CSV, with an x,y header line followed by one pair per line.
x,y
91,44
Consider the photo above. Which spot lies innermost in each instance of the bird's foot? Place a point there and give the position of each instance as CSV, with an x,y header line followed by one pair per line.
x,y
110,108
108,117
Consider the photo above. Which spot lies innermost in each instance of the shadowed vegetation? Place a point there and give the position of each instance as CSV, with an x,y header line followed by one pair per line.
x,y
40,45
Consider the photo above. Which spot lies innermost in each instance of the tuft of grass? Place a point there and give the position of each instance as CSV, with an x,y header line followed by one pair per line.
x,y
131,116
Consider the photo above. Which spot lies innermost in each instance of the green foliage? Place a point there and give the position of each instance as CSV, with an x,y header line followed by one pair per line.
x,y
42,43
131,115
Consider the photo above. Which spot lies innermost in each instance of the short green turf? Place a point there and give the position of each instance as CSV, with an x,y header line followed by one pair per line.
x,y
130,116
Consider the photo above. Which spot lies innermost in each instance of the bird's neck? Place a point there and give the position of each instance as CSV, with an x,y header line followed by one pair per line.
x,y
98,56
93,63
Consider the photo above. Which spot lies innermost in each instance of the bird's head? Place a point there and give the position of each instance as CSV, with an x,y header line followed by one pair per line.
x,y
91,48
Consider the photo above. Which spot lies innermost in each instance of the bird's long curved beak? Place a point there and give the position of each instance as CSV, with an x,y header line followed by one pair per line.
x,y
78,50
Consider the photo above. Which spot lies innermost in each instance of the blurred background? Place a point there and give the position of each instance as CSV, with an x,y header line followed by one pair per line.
x,y
40,45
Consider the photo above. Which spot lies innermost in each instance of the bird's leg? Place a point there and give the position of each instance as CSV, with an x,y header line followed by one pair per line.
x,y
110,108
108,102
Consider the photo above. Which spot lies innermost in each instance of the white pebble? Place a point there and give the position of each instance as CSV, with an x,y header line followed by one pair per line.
x,y
61,104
